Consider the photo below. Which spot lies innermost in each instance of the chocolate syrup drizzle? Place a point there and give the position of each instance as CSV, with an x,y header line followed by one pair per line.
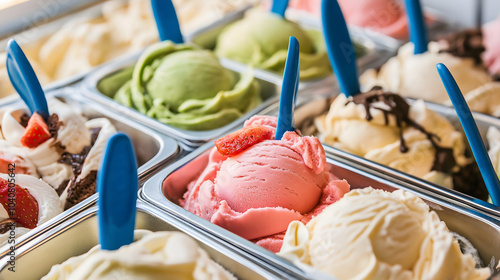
x,y
444,160
466,43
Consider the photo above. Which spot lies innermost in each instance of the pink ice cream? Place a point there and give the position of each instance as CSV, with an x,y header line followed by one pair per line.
x,y
491,42
384,16
258,192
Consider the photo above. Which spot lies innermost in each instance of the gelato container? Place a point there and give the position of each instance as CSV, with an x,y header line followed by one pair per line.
x,y
152,148
166,187
78,234
269,92
317,104
374,48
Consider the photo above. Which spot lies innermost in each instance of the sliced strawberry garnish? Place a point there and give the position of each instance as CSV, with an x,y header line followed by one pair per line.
x,y
36,132
242,139
6,165
26,207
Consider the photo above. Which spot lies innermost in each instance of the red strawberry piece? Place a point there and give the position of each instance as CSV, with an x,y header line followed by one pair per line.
x,y
6,165
25,210
36,132
242,139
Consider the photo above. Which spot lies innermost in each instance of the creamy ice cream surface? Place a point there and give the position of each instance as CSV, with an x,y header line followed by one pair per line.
x,y
374,234
159,255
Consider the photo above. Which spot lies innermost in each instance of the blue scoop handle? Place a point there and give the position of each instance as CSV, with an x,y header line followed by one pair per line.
x,y
289,89
339,47
24,80
416,25
166,21
117,184
279,7
472,133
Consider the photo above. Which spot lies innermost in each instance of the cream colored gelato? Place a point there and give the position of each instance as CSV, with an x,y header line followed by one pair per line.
x,y
81,44
493,137
160,255
416,76
346,127
373,234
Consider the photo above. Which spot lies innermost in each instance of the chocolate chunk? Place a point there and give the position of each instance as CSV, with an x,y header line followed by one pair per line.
x,y
466,43
79,191
53,124
60,189
8,225
24,120
75,160
469,180
400,109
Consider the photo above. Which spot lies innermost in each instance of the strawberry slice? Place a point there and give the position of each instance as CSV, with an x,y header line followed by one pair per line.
x,y
26,207
36,132
242,139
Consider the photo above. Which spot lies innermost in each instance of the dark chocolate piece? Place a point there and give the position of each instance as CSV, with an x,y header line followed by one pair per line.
x,y
466,43
469,180
399,108
53,124
79,191
9,224
24,120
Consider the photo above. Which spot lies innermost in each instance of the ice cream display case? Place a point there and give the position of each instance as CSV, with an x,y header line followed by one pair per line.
x,y
77,235
167,188
71,176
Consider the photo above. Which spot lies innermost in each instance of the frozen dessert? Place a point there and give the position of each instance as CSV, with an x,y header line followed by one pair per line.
x,y
27,202
491,42
381,126
261,38
493,138
183,86
64,151
385,16
374,234
254,185
159,255
83,42
461,52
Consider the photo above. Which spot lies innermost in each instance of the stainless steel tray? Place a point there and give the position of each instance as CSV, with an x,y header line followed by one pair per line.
x,y
80,233
378,47
317,103
480,228
269,92
153,150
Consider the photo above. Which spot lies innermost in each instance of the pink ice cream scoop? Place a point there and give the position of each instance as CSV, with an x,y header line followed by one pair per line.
x,y
491,42
259,191
385,16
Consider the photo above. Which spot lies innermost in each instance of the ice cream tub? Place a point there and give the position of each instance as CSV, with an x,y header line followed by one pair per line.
x,y
152,148
318,103
77,235
368,50
166,188
97,88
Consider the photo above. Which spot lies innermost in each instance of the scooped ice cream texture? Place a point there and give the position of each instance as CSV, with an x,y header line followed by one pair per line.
x,y
374,234
159,255
415,76
382,127
81,43
67,160
185,87
35,203
261,40
258,191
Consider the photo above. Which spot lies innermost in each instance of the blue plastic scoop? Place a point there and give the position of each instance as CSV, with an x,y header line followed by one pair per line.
x,y
24,80
166,21
117,184
279,7
416,26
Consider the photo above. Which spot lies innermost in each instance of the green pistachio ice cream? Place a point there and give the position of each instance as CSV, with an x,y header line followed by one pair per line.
x,y
261,40
183,86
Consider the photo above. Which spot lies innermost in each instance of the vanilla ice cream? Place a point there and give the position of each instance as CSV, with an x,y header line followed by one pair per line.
x,y
374,234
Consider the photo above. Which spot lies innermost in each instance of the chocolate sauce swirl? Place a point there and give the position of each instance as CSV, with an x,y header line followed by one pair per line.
x,y
466,43
444,161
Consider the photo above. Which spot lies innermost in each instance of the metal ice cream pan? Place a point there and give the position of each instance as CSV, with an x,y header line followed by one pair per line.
x,y
317,104
270,91
375,48
165,188
79,234
153,150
